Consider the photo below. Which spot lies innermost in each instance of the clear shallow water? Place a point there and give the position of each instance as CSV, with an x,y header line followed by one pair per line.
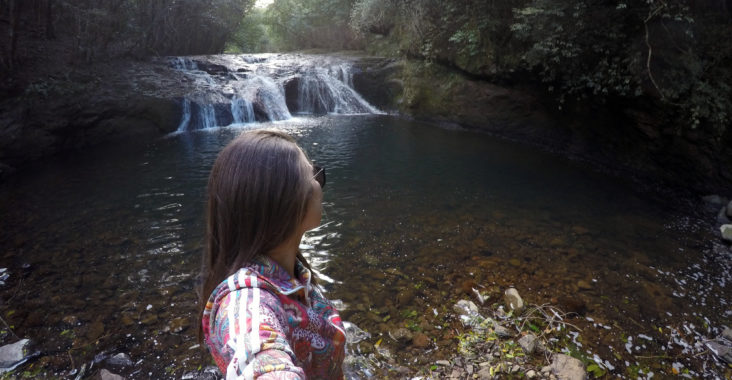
x,y
103,248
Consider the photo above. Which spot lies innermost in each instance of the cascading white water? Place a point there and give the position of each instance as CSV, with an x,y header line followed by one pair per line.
x,y
186,118
245,89
207,116
242,111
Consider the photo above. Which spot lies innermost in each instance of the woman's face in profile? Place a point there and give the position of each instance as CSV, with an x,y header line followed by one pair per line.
x,y
315,206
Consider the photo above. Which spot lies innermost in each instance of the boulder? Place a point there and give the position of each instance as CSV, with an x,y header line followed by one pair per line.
x,y
513,300
726,230
13,354
565,367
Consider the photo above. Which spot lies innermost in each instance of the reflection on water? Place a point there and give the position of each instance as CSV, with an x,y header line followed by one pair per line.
x,y
103,249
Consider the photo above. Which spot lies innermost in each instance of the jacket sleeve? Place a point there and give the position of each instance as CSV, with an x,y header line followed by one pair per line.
x,y
257,337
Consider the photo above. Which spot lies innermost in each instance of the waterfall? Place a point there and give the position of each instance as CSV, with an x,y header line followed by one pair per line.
x,y
186,118
242,111
207,116
232,89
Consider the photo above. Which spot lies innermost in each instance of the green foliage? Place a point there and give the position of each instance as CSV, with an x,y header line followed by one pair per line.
x,y
252,35
305,24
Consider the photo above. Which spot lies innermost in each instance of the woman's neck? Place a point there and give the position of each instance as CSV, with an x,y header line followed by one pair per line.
x,y
286,253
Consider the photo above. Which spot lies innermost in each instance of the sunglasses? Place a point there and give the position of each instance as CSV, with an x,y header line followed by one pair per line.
x,y
319,175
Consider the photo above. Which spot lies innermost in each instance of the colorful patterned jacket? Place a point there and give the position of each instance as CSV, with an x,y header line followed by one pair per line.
x,y
262,324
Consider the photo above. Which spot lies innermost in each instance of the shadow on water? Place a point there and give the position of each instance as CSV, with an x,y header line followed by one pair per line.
x,y
103,249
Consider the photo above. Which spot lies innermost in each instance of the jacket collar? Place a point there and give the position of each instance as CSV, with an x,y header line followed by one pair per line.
x,y
278,277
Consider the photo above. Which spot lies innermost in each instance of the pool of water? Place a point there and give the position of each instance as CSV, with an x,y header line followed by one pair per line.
x,y
103,249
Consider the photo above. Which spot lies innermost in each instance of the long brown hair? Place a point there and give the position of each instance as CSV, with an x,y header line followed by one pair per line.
x,y
258,192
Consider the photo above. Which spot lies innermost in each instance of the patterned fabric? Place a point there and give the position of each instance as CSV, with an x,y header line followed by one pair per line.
x,y
260,323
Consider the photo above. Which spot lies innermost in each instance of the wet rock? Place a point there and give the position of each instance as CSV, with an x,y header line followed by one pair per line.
x,y
106,375
70,320
513,300
421,340
120,360
727,333
401,335
465,307
501,331
179,324
721,351
726,230
566,367
584,285
528,343
12,355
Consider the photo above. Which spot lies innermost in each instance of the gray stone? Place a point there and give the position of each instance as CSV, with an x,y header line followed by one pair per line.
x,y
546,369
401,335
726,230
568,368
13,354
106,375
501,331
465,307
727,333
721,351
484,373
120,360
528,343
443,363
530,374
729,209
513,300
515,368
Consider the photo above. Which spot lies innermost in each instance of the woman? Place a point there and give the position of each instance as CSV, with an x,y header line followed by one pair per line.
x,y
261,315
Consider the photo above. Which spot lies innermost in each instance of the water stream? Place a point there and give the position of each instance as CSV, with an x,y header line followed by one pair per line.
x,y
103,247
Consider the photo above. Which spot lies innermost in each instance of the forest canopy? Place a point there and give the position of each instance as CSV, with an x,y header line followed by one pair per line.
x,y
675,52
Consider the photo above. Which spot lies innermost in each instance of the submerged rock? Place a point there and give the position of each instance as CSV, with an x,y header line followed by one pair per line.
x,y
421,340
567,368
120,360
401,335
513,300
12,355
465,307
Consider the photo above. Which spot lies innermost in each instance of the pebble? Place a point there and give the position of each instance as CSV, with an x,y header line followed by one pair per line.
x,y
513,300
443,363
515,368
530,374
546,369
501,331
401,335
584,285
